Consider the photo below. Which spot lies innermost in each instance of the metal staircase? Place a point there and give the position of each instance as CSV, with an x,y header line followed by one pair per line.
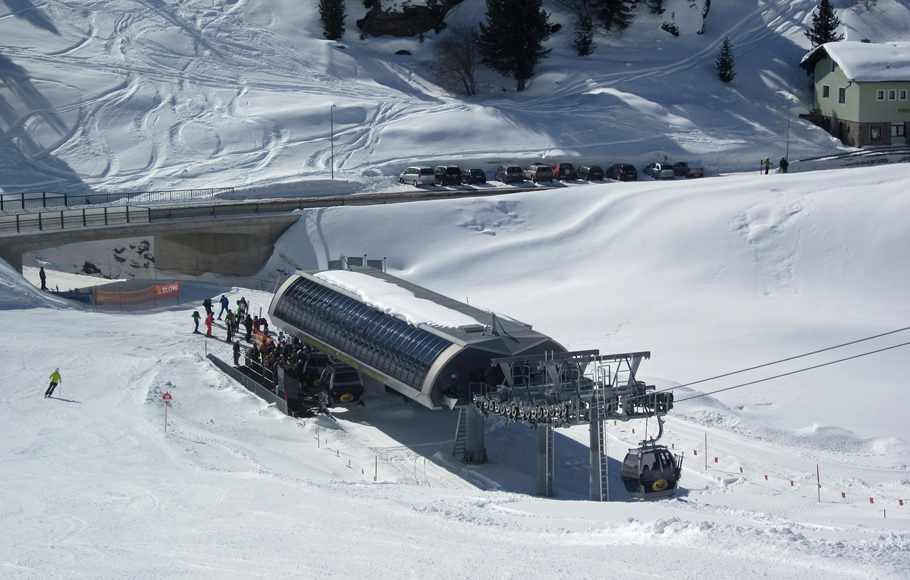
x,y
461,434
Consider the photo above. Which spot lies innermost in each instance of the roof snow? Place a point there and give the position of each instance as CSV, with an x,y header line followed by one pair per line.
x,y
396,301
866,61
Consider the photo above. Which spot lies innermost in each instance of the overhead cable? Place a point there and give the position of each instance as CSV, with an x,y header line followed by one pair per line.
x,y
793,372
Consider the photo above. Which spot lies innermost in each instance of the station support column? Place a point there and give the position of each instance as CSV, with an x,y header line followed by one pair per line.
x,y
475,450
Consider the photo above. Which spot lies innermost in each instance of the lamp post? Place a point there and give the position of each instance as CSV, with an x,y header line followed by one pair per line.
x,y
332,138
789,109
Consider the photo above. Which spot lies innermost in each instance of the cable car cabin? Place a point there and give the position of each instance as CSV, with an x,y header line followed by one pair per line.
x,y
651,471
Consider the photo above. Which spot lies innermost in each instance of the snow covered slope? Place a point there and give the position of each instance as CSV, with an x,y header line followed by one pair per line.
x,y
139,95
711,276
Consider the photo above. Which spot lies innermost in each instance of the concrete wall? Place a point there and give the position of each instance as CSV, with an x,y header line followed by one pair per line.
x,y
240,246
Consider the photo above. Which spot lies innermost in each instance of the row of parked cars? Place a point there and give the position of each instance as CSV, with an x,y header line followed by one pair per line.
x,y
541,172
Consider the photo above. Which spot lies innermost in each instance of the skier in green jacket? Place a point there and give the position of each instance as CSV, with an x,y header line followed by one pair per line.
x,y
55,379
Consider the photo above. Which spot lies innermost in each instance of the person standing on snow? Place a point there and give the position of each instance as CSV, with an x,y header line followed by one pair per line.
x,y
43,277
229,323
207,304
209,320
195,316
225,306
783,164
55,379
767,164
248,323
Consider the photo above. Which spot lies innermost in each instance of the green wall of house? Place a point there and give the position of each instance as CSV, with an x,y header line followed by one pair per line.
x,y
862,104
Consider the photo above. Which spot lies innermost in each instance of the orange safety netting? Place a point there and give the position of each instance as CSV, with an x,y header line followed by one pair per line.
x,y
129,299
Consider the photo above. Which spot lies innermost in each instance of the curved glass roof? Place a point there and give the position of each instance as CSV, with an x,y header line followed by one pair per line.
x,y
386,343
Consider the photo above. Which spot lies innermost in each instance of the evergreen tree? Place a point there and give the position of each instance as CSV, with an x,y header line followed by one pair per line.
x,y
332,14
724,62
511,41
614,14
824,25
584,37
656,6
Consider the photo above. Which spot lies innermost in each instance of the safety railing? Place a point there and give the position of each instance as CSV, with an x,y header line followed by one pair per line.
x,y
70,219
11,202
250,383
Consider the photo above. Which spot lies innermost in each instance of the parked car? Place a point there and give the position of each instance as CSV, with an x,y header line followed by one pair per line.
x,y
418,176
565,171
688,169
539,172
448,175
510,174
591,173
623,172
475,176
660,170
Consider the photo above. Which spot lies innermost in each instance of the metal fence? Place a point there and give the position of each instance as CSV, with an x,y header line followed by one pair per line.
x,y
49,200
74,218
250,384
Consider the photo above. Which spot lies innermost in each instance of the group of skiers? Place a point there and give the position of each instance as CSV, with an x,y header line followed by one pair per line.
x,y
268,356
782,168
232,321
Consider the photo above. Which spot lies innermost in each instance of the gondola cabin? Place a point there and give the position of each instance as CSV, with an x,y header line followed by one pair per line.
x,y
651,471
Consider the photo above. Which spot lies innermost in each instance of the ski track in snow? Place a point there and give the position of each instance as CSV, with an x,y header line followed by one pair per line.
x,y
223,58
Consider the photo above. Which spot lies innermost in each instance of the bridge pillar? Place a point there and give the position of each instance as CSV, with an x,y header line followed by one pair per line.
x,y
13,257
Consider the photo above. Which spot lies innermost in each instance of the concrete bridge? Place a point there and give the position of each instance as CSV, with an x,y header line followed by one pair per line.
x,y
219,237
239,244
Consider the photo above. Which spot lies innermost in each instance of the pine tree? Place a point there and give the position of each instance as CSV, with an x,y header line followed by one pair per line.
x,y
332,14
584,37
824,25
656,6
614,14
724,62
511,41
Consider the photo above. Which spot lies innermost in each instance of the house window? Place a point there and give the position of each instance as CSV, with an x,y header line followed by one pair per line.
x,y
826,91
841,95
898,130
879,95
892,95
875,133
832,66
903,94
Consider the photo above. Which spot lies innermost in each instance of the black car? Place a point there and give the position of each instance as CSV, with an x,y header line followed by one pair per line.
x,y
623,172
448,175
510,174
475,176
591,173
565,171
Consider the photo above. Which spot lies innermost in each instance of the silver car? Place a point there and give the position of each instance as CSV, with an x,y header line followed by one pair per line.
x,y
418,176
660,170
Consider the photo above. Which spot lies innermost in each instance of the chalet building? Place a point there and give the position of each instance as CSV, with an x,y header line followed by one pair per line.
x,y
861,91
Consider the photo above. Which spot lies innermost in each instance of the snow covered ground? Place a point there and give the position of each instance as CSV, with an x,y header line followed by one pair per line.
x,y
126,95
711,276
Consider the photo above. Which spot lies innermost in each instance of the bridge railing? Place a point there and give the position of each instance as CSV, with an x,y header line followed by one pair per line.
x,y
70,219
10,202
90,216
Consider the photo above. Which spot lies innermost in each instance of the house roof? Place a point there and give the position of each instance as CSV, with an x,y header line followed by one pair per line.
x,y
865,61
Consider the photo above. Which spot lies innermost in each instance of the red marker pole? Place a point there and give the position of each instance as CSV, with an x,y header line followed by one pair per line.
x,y
167,403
